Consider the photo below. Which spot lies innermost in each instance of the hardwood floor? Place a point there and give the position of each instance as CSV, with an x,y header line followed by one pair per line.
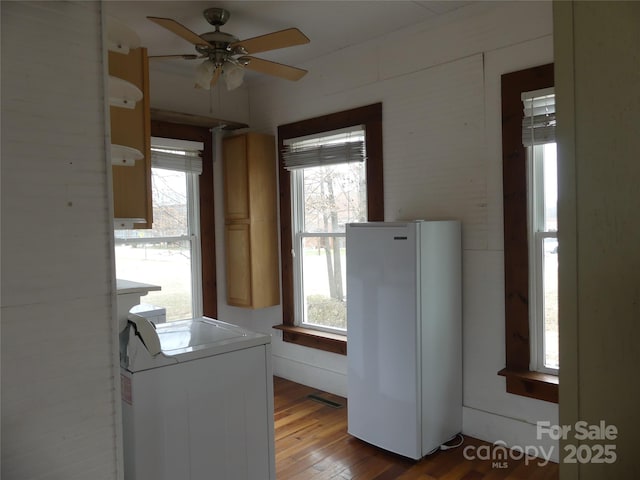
x,y
312,444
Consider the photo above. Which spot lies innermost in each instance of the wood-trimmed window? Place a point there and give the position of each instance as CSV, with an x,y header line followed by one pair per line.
x,y
371,118
520,380
207,222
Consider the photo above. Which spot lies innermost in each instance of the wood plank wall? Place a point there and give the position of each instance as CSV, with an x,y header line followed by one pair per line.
x,y
58,382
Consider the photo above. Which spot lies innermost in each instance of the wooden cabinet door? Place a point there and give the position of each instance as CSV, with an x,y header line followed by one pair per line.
x,y
238,262
251,232
236,178
132,128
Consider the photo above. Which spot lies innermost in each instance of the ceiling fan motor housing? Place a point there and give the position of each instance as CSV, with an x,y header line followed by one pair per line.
x,y
218,50
216,16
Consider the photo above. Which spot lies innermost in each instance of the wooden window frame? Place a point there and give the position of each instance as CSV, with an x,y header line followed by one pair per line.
x,y
371,117
193,133
520,380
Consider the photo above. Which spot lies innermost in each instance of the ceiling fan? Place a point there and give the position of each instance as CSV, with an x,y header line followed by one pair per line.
x,y
227,56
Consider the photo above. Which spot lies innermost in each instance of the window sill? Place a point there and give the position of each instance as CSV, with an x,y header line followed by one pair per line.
x,y
329,342
541,386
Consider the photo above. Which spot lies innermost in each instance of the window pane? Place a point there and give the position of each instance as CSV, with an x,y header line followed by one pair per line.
x,y
550,302
164,264
324,282
156,260
334,195
550,188
170,216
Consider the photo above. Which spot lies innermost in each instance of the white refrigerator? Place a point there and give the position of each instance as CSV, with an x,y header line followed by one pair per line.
x,y
404,314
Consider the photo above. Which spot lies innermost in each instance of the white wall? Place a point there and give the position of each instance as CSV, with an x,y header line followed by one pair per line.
x,y
175,92
58,353
439,83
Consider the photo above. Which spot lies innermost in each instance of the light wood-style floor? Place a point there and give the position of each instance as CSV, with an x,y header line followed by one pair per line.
x,y
312,443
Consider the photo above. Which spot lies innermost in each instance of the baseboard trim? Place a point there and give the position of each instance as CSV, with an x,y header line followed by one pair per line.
x,y
300,372
513,432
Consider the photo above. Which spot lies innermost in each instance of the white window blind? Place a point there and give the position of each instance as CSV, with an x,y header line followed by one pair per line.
x,y
188,161
178,155
539,119
329,149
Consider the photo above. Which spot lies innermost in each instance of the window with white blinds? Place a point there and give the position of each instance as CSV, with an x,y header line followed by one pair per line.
x,y
539,137
539,119
328,185
168,254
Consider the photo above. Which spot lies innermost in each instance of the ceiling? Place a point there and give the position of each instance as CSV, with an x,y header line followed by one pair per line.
x,y
330,25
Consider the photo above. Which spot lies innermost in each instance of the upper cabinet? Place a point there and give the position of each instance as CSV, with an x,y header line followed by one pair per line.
x,y
130,135
251,231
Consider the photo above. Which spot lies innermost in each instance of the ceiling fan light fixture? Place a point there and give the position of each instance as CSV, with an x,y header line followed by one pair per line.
x,y
204,74
233,75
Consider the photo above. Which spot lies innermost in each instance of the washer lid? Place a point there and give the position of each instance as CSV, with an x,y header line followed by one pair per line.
x,y
186,340
201,337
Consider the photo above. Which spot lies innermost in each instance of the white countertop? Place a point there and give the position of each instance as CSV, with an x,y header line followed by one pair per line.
x,y
128,286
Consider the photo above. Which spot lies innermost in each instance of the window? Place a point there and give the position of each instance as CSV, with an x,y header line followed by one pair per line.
x,y
328,183
169,253
538,136
200,131
315,203
530,233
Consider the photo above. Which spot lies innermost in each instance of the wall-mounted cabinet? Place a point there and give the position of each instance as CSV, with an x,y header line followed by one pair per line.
x,y
130,138
251,231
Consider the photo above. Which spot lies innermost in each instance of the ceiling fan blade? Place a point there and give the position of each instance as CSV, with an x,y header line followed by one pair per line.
x,y
179,30
184,56
272,68
272,41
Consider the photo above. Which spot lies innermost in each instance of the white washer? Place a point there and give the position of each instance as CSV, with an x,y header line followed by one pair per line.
x,y
200,409
151,312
